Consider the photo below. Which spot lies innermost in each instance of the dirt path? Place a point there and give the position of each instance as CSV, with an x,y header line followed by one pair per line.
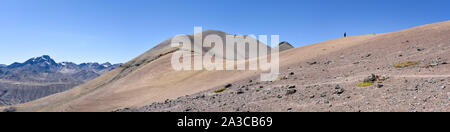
x,y
359,78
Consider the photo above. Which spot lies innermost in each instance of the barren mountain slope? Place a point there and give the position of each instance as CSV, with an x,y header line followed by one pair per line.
x,y
145,79
314,70
329,79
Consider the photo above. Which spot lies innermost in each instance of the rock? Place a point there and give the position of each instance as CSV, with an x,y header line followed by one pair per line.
x,y
443,87
168,101
312,96
200,96
434,62
337,87
420,49
290,91
432,81
289,109
444,62
379,85
279,96
339,90
356,62
416,88
292,73
426,99
312,63
240,91
384,78
10,109
188,109
328,62
372,78
250,81
293,86
261,86
126,109
324,94
228,85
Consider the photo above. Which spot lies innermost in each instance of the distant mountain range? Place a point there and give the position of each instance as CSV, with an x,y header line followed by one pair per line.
x,y
42,76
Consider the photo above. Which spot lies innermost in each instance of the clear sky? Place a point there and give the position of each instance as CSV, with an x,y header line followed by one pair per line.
x,y
119,30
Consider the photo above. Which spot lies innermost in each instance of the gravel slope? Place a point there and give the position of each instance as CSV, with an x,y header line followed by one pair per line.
x,y
329,81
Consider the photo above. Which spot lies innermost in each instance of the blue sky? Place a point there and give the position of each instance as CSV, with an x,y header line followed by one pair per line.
x,y
119,30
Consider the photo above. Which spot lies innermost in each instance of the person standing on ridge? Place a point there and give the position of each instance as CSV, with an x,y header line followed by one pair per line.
x,y
345,35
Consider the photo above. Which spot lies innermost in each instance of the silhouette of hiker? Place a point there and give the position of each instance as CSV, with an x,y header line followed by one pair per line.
x,y
345,35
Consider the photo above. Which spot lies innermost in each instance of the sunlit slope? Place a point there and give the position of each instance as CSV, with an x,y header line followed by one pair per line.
x,y
150,78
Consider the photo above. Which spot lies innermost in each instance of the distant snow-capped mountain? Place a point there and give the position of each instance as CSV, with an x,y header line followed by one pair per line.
x,y
42,76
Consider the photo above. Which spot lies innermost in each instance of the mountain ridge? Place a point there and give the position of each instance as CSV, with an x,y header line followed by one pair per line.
x,y
41,76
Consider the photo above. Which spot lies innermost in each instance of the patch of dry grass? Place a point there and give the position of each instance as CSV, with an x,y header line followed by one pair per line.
x,y
406,64
220,90
365,84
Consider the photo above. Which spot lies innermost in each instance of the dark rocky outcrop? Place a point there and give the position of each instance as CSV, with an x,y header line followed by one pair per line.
x,y
285,46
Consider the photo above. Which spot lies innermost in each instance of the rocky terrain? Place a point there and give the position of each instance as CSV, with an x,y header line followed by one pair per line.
x,y
365,77
42,76
400,71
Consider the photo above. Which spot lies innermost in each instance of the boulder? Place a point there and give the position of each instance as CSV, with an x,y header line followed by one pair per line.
x,y
371,78
290,91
